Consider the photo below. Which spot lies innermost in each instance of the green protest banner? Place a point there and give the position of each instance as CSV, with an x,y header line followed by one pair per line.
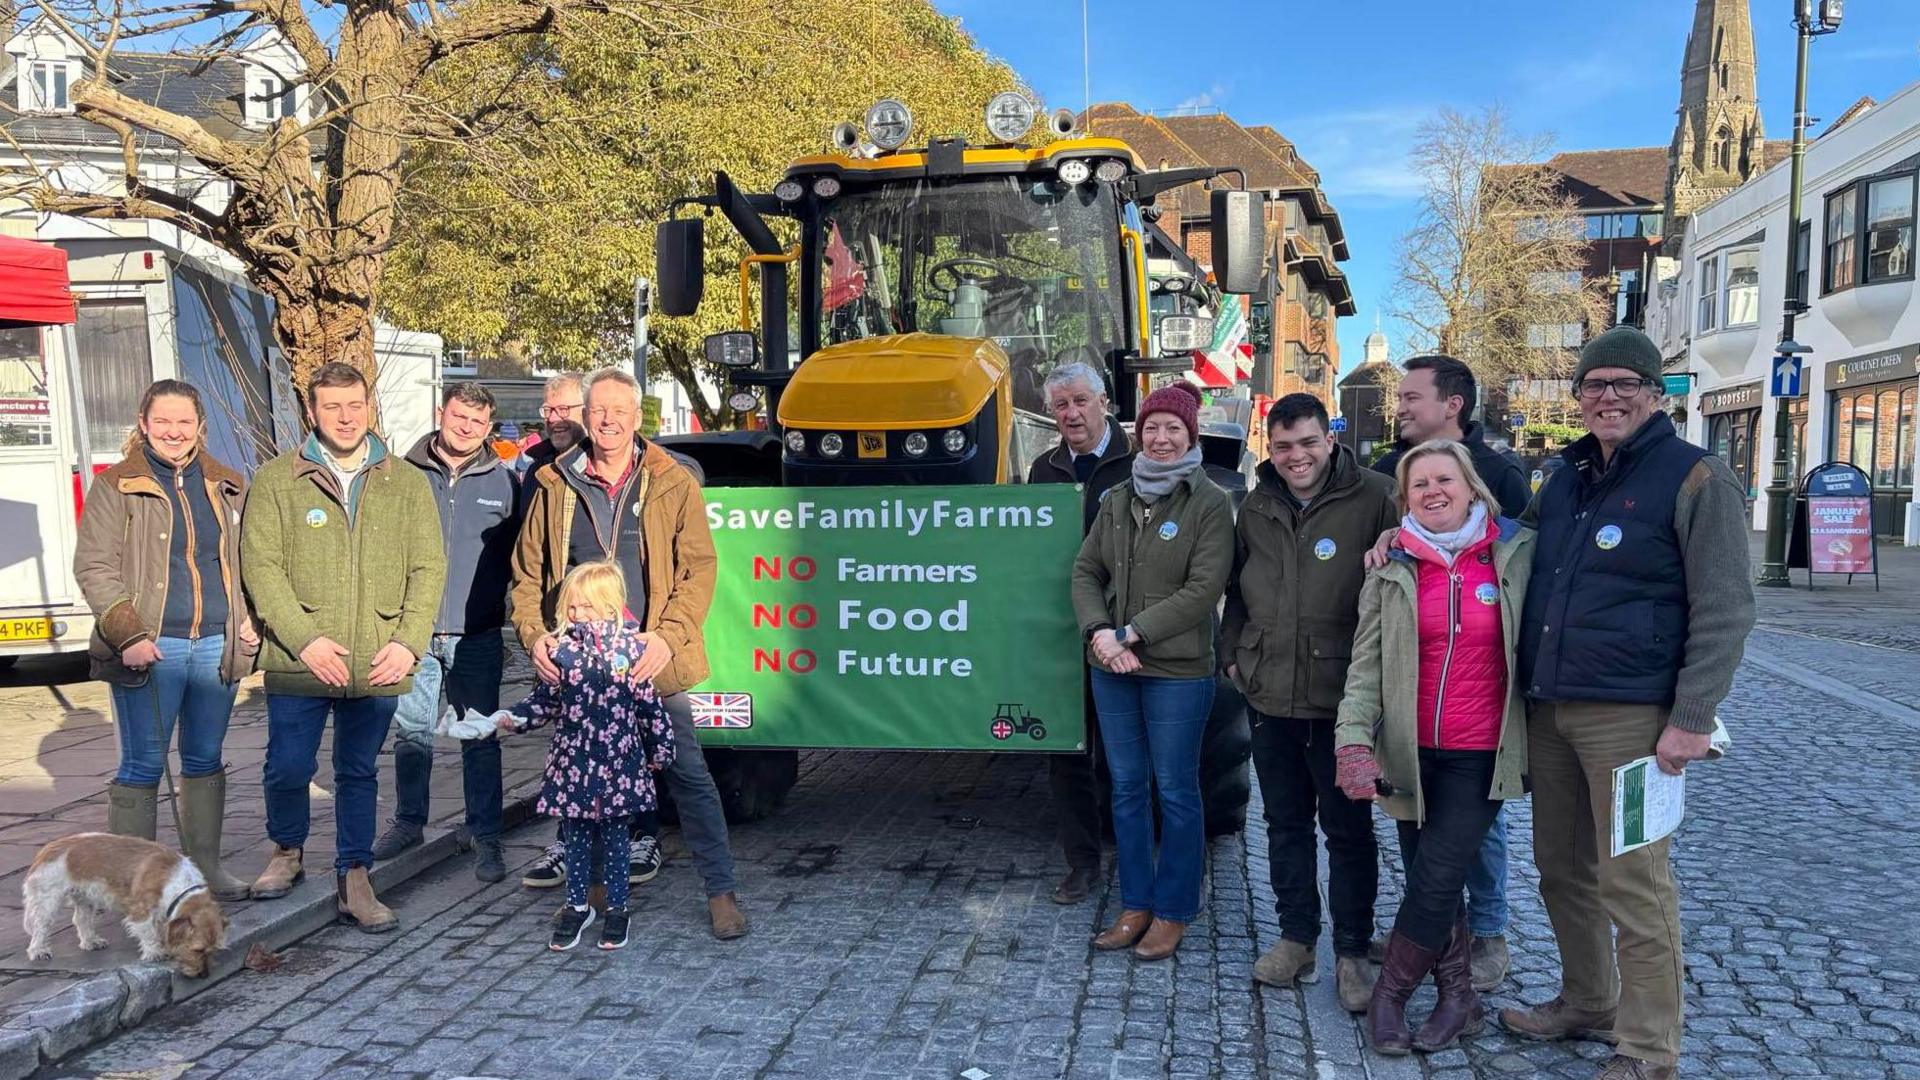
x,y
931,618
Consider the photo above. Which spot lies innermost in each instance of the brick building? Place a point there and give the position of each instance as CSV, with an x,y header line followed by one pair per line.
x,y
1292,317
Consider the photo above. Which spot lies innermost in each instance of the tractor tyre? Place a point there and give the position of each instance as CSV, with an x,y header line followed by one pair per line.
x,y
1225,752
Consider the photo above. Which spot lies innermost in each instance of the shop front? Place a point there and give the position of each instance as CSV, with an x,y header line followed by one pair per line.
x,y
1733,429
1871,401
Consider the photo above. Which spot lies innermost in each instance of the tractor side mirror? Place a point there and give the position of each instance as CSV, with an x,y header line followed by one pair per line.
x,y
1239,241
680,260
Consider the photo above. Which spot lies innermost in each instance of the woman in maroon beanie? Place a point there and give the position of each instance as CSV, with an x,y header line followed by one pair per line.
x,y
1145,586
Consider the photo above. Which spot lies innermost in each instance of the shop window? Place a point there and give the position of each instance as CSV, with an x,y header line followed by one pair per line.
x,y
26,417
1796,438
1889,238
1904,478
1743,287
1840,224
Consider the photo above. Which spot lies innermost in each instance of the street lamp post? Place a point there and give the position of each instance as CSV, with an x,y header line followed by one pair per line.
x,y
1809,23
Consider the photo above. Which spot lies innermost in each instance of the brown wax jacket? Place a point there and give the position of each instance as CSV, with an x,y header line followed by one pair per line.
x,y
120,561
679,560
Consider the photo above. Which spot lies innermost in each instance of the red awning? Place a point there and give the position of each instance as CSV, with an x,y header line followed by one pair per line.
x,y
34,290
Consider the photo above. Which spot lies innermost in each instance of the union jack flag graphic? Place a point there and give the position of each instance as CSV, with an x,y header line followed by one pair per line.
x,y
722,710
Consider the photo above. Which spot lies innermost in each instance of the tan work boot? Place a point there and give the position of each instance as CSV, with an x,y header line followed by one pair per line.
x,y
356,904
1125,930
1162,938
729,921
203,808
1286,964
1353,981
1490,960
1621,1067
1558,1020
283,872
131,810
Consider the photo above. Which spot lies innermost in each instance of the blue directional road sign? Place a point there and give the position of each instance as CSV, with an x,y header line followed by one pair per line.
x,y
1517,421
1338,425
1787,372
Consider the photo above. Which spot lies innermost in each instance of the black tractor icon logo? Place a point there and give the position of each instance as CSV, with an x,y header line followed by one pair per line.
x,y
1013,719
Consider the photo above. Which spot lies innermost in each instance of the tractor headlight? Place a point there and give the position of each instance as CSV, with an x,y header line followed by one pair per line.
x,y
797,442
826,187
1075,172
889,123
1112,170
915,444
789,191
1009,116
954,440
831,444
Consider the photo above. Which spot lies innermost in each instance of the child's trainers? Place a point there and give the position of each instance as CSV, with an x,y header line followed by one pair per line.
x,y
644,861
568,924
613,932
549,870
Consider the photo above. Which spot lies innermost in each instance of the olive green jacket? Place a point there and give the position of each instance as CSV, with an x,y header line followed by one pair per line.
x,y
1293,601
1160,568
1379,710
363,567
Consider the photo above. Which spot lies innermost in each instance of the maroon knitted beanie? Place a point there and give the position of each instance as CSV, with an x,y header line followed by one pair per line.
x,y
1181,398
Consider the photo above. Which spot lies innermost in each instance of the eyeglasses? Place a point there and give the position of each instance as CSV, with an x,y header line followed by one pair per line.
x,y
559,412
1591,389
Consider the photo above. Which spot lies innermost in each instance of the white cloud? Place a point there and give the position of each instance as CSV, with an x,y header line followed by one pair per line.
x,y
1212,98
1362,153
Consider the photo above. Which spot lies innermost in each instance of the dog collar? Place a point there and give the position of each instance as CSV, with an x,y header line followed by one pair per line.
x,y
184,893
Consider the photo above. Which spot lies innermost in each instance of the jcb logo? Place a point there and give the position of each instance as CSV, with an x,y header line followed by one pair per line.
x,y
873,444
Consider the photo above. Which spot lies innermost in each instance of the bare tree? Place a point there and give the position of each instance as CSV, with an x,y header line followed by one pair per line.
x,y
1492,272
308,206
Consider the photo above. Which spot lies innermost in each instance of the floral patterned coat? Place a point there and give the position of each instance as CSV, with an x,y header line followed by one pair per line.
x,y
610,734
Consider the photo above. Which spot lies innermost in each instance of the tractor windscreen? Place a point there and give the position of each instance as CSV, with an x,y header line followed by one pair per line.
x,y
1032,264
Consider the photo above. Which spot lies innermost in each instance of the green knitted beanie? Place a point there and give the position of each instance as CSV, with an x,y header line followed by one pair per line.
x,y
1620,347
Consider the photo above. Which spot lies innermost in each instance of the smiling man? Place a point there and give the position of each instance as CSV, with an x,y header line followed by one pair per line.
x,y
479,500
340,549
1635,620
1293,604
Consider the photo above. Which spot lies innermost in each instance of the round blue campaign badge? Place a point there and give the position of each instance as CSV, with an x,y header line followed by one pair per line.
x,y
1607,538
1168,530
620,665
1325,548
1486,593
316,517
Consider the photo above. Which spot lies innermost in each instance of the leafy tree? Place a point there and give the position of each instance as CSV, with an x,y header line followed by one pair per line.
x,y
630,122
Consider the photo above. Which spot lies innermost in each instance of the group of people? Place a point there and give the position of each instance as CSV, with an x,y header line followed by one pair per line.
x,y
1427,635
366,583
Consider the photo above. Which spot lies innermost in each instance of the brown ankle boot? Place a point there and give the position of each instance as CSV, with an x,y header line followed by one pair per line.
x,y
1401,972
1458,1012
283,872
1125,930
729,921
1163,937
357,906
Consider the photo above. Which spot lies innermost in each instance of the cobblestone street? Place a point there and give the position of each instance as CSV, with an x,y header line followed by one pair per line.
x,y
902,929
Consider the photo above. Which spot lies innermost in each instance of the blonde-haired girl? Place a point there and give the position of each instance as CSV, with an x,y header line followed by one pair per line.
x,y
610,737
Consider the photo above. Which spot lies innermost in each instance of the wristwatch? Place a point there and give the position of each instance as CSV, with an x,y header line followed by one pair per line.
x,y
1123,635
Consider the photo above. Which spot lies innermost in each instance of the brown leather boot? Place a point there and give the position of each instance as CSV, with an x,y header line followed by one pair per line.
x,y
1125,930
1162,938
1558,1020
1401,972
283,872
729,921
357,906
1458,1012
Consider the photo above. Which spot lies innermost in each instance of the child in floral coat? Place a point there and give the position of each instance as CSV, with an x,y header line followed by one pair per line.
x,y
610,737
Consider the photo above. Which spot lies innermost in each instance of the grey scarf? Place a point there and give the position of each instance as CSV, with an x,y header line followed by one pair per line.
x,y
1154,480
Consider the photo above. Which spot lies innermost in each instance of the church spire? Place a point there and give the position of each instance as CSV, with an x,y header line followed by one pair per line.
x,y
1718,142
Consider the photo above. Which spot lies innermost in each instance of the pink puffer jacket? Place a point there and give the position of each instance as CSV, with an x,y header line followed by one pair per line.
x,y
1463,664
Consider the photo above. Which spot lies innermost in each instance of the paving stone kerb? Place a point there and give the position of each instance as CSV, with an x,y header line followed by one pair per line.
x,y
61,728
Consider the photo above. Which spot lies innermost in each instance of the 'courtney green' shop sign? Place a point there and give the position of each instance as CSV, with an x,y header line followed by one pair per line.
x,y
932,618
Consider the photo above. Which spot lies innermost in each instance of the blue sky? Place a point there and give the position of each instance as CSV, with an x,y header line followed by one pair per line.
x,y
1348,82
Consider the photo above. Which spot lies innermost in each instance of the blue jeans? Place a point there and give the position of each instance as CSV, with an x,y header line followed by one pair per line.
x,y
468,666
1151,729
1487,882
294,727
183,686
